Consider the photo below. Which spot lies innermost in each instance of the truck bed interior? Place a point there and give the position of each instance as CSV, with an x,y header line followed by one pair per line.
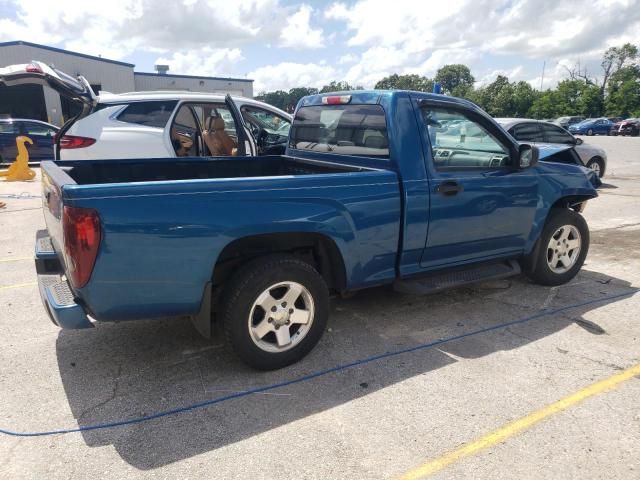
x,y
145,170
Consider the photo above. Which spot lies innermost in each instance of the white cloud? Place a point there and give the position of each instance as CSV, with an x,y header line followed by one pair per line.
x,y
348,58
287,75
125,26
468,31
513,74
369,39
375,64
205,61
297,33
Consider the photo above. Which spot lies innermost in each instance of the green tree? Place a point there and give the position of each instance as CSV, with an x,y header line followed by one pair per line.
x,y
616,58
456,79
524,96
544,106
570,97
295,94
279,99
623,94
341,86
405,82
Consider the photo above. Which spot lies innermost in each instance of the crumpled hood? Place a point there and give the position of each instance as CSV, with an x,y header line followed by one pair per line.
x,y
548,149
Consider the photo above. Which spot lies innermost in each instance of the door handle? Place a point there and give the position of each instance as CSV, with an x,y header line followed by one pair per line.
x,y
449,188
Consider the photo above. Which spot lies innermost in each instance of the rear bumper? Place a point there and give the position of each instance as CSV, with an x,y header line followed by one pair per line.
x,y
56,294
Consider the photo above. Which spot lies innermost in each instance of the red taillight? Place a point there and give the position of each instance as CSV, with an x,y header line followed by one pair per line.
x,y
336,99
33,68
71,141
81,228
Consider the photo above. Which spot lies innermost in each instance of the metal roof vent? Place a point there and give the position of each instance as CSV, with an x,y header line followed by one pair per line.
x,y
162,69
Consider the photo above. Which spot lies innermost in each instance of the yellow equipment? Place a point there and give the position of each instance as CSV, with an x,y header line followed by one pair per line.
x,y
19,170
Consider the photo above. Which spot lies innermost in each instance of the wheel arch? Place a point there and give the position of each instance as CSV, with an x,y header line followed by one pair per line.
x,y
573,201
317,249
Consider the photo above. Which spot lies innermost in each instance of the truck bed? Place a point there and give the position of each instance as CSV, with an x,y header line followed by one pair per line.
x,y
150,170
165,222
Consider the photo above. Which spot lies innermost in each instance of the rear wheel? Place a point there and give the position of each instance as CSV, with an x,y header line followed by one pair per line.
x,y
597,165
590,132
274,311
561,249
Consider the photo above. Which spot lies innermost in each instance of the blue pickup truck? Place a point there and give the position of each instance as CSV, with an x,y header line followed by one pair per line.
x,y
375,188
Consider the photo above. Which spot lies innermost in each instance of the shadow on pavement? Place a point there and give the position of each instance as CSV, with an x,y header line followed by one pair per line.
x,y
122,371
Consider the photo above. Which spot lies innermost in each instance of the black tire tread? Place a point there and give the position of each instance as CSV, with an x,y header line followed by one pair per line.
x,y
535,265
232,299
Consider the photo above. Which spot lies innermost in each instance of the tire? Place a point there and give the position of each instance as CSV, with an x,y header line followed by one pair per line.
x,y
255,333
590,132
537,266
597,165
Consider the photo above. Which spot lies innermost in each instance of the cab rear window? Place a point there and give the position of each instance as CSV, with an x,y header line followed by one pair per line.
x,y
150,114
359,130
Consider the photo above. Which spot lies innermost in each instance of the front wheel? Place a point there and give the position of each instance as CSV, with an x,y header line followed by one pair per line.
x,y
274,311
561,249
597,166
590,132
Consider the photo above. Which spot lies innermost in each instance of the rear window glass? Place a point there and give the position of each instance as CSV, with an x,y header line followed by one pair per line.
x,y
344,129
150,114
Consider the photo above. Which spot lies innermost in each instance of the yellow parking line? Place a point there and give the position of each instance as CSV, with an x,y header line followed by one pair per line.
x,y
517,426
15,259
18,285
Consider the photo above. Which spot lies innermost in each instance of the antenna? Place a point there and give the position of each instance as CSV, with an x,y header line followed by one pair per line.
x,y
542,77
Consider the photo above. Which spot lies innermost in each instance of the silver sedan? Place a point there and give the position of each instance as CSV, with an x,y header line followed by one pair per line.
x,y
537,131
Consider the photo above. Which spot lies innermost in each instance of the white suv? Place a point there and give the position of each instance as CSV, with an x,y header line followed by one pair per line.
x,y
156,124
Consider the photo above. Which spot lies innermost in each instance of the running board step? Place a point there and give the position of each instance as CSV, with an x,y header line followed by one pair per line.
x,y
455,278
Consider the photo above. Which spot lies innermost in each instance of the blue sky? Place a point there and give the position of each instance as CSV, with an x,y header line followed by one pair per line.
x,y
283,43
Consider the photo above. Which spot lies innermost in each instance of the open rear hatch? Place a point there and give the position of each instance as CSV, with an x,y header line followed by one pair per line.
x,y
38,73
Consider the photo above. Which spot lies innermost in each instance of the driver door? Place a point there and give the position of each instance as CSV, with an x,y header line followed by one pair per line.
x,y
481,207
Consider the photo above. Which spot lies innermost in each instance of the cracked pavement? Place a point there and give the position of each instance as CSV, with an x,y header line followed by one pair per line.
x,y
374,421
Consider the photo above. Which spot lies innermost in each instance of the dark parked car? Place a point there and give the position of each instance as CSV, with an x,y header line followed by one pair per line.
x,y
630,126
41,133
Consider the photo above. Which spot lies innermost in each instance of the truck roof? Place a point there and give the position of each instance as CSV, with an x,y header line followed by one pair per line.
x,y
374,96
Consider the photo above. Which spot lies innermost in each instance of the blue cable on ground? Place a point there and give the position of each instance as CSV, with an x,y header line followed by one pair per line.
x,y
320,373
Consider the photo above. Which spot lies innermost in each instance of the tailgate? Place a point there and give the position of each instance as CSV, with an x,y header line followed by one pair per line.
x,y
53,181
56,293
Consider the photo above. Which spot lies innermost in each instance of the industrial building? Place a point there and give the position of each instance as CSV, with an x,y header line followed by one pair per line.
x,y
43,103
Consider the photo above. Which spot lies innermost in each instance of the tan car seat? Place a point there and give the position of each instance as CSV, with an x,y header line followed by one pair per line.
x,y
182,144
217,140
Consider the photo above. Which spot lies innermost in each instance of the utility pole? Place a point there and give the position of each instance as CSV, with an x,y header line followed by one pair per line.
x,y
544,63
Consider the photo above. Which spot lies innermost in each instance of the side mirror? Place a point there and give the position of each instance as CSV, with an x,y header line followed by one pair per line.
x,y
527,156
579,141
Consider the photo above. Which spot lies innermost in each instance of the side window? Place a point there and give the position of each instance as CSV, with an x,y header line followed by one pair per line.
x,y
458,141
555,134
150,114
184,133
260,118
38,129
527,132
6,127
